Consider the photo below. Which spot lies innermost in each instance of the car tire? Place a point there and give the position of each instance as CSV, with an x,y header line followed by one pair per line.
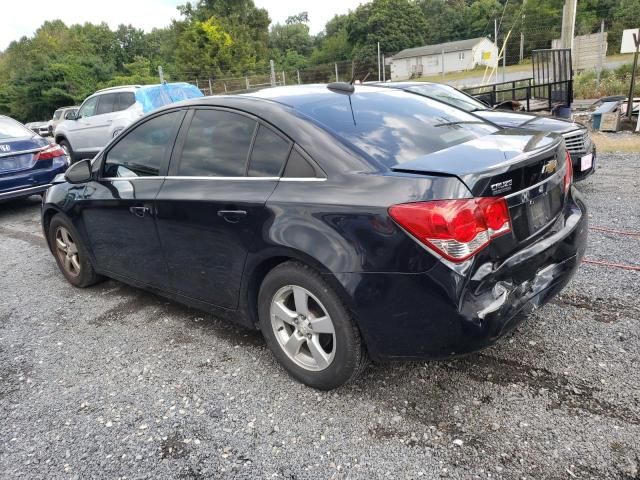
x,y
66,146
318,344
70,253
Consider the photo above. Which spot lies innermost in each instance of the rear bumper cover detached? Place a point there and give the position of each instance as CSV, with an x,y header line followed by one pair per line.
x,y
444,313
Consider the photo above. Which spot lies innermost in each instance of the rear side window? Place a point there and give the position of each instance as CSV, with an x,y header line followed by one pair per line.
x,y
106,103
269,153
299,167
125,100
141,151
217,144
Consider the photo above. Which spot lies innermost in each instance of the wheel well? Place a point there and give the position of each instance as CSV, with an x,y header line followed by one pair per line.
x,y
59,138
263,268
46,221
253,287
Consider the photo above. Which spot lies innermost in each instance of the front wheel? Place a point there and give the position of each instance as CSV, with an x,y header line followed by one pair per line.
x,y
71,255
308,328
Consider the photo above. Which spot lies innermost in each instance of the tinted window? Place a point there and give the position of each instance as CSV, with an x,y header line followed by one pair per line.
x,y
9,128
106,103
449,95
217,144
393,126
125,100
141,151
298,167
89,108
269,153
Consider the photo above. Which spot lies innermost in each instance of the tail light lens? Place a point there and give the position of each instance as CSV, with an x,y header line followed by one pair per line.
x,y
52,151
455,229
568,172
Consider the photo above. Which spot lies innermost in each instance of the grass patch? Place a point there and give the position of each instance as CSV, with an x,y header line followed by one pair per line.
x,y
612,82
625,142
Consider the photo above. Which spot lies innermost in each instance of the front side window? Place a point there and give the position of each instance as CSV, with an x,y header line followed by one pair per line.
x,y
107,103
269,153
89,108
140,153
217,144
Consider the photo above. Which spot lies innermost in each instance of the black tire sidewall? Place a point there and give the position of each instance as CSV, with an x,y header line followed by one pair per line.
x,y
87,275
346,362
69,149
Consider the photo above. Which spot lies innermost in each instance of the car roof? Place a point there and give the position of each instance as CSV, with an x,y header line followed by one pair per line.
x,y
407,84
296,95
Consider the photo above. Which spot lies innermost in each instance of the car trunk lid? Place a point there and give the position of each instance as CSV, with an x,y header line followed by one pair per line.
x,y
525,167
18,154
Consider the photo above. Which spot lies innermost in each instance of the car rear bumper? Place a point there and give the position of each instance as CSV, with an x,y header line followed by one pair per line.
x,y
576,160
443,313
29,182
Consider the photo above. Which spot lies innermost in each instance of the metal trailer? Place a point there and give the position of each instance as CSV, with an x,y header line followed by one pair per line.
x,y
550,87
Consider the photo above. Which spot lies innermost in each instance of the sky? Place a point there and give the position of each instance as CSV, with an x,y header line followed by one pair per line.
x,y
24,17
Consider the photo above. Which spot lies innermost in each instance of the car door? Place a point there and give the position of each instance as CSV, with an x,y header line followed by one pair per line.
x,y
79,130
118,208
211,208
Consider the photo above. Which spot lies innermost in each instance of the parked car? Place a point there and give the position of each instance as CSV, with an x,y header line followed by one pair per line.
x,y
106,113
345,222
576,136
28,162
60,115
40,128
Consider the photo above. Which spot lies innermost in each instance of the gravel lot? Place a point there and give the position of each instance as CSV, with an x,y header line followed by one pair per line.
x,y
113,382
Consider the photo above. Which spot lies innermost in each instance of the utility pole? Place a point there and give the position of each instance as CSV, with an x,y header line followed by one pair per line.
x,y
495,31
383,69
568,23
636,39
273,73
522,32
600,54
336,65
160,73
379,77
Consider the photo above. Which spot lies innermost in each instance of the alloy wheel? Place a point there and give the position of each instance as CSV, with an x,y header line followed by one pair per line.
x,y
67,251
303,328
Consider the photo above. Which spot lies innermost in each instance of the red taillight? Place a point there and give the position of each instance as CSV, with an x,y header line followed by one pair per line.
x,y
52,151
568,173
455,229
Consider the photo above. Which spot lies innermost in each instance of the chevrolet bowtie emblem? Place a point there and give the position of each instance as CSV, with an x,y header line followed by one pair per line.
x,y
550,167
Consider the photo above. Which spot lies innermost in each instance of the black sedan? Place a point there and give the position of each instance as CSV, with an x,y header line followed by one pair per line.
x,y
346,223
576,136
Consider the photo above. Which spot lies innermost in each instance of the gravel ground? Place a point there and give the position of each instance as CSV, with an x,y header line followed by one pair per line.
x,y
113,382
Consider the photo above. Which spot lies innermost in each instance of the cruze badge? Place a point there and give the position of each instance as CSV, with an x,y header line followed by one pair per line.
x,y
5,148
550,167
501,187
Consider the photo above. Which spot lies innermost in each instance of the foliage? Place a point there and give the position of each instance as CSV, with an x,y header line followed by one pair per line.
x,y
612,82
60,65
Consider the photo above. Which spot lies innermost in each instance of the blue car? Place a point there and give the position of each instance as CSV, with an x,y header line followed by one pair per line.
x,y
28,162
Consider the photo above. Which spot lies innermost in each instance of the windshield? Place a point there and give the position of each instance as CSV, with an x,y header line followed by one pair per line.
x,y
393,126
11,129
449,95
56,114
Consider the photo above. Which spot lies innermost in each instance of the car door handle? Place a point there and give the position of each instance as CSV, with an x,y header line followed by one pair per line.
x,y
232,216
140,211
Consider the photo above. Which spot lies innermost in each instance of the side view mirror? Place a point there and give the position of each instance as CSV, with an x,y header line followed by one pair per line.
x,y
79,172
71,116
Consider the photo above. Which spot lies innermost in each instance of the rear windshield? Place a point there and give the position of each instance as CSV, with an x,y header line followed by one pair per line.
x,y
449,95
11,129
393,126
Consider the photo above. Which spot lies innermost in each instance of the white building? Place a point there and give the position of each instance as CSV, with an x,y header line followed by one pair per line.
x,y
443,58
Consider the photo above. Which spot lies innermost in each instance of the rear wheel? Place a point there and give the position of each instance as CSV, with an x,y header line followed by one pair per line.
x,y
308,328
64,144
71,256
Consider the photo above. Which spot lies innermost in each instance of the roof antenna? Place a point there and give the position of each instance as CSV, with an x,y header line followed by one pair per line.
x,y
352,114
